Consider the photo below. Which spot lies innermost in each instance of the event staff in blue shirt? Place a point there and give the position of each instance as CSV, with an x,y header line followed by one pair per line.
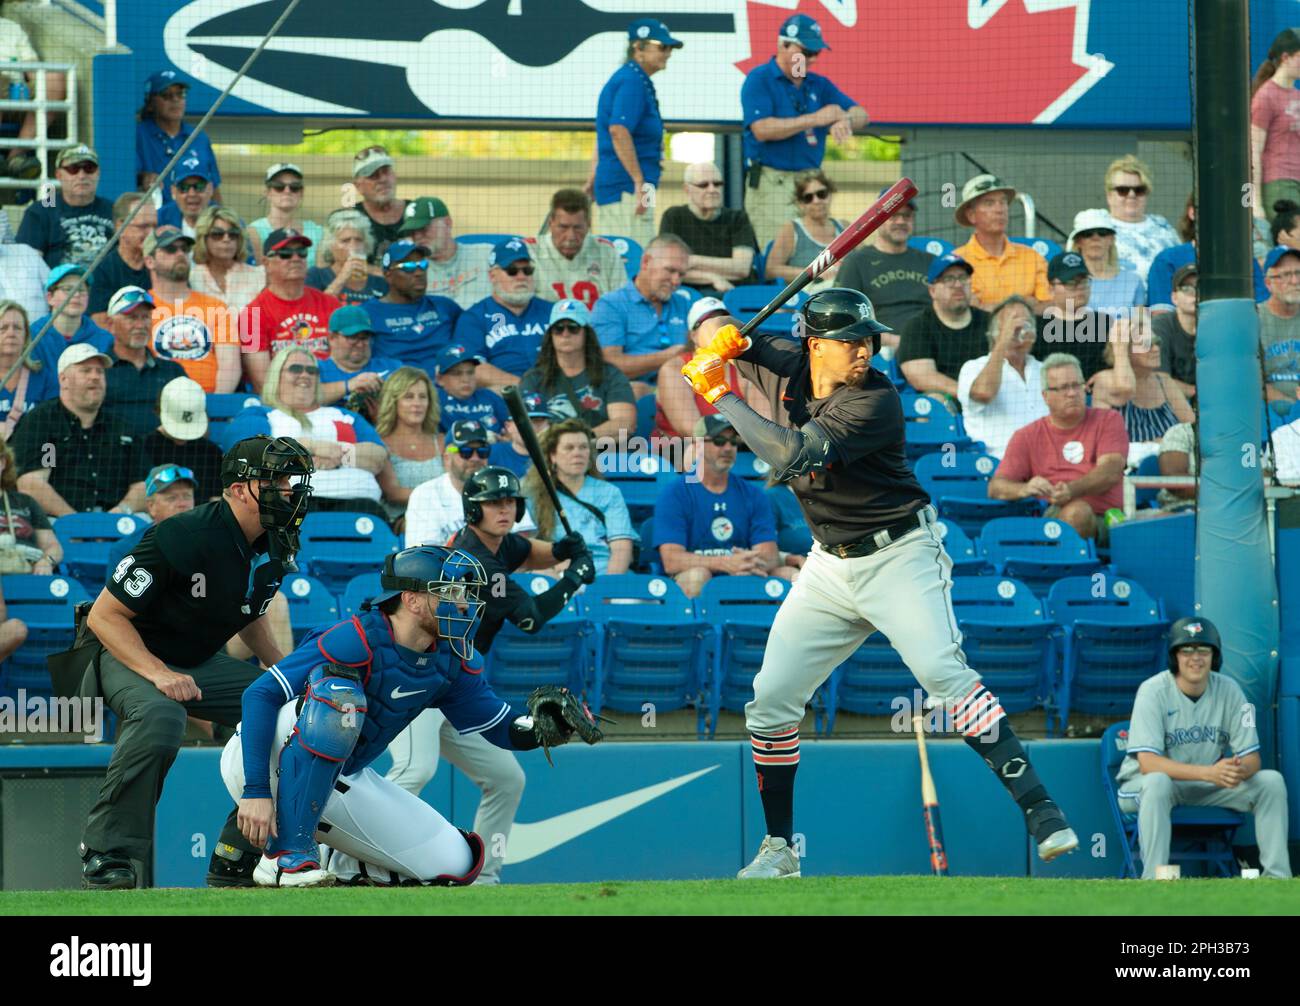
x,y
162,131
788,112
630,135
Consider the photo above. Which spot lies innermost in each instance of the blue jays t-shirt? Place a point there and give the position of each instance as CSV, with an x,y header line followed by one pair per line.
x,y
413,333
505,456
768,93
708,523
628,99
381,365
154,149
506,340
487,407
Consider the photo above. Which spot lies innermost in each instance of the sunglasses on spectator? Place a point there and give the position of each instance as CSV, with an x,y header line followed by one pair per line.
x,y
362,335
81,168
474,452
1067,388
721,441
418,266
1084,235
516,270
566,328
706,185
191,186
281,186
221,234
1131,190
296,252
808,197
302,368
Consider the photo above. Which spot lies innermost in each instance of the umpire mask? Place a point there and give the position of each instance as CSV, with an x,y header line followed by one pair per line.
x,y
262,461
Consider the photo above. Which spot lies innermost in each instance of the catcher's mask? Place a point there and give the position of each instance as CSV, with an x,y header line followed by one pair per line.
x,y
452,578
260,460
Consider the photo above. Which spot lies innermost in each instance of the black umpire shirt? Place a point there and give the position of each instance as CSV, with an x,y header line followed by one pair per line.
x,y
869,485
503,596
90,468
193,582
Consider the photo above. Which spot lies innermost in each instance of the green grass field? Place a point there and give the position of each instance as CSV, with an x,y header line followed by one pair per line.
x,y
809,896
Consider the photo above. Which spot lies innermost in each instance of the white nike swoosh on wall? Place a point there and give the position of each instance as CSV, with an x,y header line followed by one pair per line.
x,y
528,841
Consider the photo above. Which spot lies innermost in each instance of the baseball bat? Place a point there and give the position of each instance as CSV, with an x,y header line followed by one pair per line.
x,y
876,214
930,806
519,413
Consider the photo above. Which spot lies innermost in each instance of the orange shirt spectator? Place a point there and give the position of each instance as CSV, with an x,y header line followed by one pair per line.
x,y
1002,267
195,332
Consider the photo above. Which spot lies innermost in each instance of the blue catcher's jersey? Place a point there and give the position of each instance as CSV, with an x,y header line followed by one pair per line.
x,y
399,685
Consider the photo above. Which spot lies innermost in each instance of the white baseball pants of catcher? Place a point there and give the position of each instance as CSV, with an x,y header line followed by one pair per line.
x,y
495,771
369,818
904,590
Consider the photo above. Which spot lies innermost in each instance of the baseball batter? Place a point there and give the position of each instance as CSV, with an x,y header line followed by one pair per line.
x,y
877,561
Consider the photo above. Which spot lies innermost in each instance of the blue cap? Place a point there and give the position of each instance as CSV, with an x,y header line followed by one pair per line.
x,y
570,310
163,476
399,250
943,263
350,320
191,167
466,432
1275,256
162,80
650,29
804,31
451,356
66,269
509,251
535,406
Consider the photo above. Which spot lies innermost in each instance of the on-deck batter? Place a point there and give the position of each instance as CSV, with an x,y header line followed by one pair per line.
x,y
877,562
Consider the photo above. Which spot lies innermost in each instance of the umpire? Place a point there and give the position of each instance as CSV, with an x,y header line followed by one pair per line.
x,y
193,581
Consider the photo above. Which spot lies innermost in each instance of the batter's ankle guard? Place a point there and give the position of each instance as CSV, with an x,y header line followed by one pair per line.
x,y
1007,758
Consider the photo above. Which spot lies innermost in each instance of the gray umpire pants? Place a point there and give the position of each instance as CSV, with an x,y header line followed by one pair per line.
x,y
1263,794
149,732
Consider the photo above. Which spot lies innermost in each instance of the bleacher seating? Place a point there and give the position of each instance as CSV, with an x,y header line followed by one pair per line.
x,y
746,301
358,590
1150,465
872,680
965,555
1114,639
629,249
1160,554
558,654
86,539
751,466
1038,551
938,430
311,605
958,485
484,239
222,408
935,246
741,610
639,477
1045,247
45,604
1007,638
338,546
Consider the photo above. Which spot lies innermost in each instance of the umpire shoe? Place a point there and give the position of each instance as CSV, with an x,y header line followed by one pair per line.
x,y
774,861
292,869
1053,834
106,871
231,867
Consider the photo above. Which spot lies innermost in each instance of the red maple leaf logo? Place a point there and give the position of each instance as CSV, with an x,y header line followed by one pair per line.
x,y
924,62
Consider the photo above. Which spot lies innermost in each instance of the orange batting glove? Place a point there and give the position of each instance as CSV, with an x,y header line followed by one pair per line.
x,y
727,343
707,375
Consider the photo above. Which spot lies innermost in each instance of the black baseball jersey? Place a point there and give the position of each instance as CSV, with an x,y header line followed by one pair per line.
x,y
504,596
193,582
869,485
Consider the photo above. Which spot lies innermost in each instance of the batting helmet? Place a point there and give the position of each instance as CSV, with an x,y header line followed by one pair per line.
x,y
1194,632
491,483
452,578
841,314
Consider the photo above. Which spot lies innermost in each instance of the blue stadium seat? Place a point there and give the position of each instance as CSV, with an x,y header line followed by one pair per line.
x,y
746,301
86,540
359,589
484,239
1006,637
939,430
966,558
751,466
651,648
958,484
872,680
646,407
649,558
888,365
637,477
560,653
1114,639
1159,554
338,546
1198,834
1045,247
311,605
935,246
1037,551
1149,465
222,408
629,249
45,604
741,610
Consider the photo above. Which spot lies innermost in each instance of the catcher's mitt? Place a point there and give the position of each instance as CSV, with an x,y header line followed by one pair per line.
x,y
557,715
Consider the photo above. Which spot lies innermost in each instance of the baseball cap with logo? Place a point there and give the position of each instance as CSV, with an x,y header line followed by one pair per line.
x,y
276,169
1275,256
164,237
535,406
980,185
183,409
79,154
942,263
189,168
466,432
283,237
570,310
162,477
1066,266
81,352
453,355
650,29
370,160
507,252
804,31
399,251
712,425
703,309
60,271
351,319
162,80
128,298
421,212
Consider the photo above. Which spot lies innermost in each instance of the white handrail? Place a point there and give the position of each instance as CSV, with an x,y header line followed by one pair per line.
x,y
40,104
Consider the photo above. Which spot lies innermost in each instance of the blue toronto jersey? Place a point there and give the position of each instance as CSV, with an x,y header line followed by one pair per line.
x,y
412,333
484,406
399,685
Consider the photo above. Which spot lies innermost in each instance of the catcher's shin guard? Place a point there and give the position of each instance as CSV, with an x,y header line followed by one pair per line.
x,y
328,726
477,852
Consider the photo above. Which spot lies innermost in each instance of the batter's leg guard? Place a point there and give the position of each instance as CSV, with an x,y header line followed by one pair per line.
x,y
328,726
776,759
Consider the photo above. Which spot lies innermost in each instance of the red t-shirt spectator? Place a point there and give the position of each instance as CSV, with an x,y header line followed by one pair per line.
x,y
1065,455
273,323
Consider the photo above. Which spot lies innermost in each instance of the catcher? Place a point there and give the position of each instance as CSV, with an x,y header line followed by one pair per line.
x,y
299,764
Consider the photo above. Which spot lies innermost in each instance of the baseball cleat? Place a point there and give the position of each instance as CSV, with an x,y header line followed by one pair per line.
x,y
775,861
1058,843
292,869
